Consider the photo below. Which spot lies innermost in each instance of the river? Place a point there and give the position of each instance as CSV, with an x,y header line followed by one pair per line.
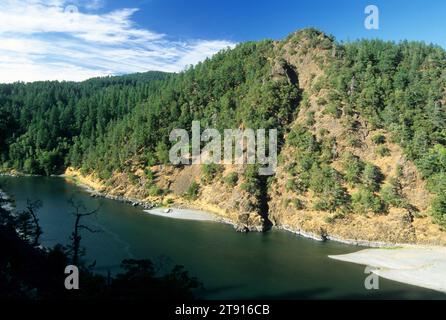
x,y
231,265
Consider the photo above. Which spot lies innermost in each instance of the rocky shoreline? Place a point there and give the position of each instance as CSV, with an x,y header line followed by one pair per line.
x,y
239,228
353,242
148,205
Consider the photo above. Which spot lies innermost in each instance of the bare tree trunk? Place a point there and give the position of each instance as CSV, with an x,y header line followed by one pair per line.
x,y
76,236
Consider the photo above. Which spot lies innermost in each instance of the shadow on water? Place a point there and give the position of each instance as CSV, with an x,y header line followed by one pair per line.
x,y
275,265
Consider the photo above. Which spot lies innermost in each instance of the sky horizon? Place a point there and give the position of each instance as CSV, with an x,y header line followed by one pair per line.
x,y
80,39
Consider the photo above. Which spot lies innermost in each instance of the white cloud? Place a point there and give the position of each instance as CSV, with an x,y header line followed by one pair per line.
x,y
52,40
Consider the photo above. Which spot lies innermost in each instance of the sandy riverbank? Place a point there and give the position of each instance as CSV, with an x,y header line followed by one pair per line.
x,y
419,266
183,214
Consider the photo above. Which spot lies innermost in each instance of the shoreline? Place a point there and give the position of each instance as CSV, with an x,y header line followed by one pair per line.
x,y
352,242
414,265
423,268
183,206
182,214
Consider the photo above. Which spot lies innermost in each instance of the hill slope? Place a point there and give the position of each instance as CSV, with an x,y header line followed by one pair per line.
x,y
361,138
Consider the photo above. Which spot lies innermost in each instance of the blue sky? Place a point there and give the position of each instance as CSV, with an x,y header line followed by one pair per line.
x,y
254,20
79,39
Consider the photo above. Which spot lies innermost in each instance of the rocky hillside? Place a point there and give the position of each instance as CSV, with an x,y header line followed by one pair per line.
x,y
361,130
348,168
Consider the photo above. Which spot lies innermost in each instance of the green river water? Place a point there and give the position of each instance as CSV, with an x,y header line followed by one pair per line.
x,y
231,265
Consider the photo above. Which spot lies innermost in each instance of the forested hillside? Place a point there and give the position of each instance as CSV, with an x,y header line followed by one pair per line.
x,y
400,89
362,137
39,122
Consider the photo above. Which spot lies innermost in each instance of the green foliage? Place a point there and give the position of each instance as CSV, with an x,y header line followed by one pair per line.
x,y
333,109
155,191
438,209
391,195
162,153
371,178
326,182
302,139
49,125
433,162
437,183
353,168
383,151
328,149
193,191
298,204
134,179
399,88
310,121
99,124
354,142
210,171
150,177
379,139
251,183
231,179
290,185
365,201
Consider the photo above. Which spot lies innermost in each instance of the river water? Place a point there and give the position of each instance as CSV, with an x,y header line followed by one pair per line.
x,y
231,265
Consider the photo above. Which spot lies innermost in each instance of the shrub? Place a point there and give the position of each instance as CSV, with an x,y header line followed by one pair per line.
x,y
290,185
365,201
105,174
231,179
162,153
326,182
392,194
323,132
302,139
310,118
371,178
332,219
352,167
149,175
251,182
193,191
132,177
336,198
334,110
437,183
383,151
354,142
329,149
305,102
155,191
438,210
433,162
379,139
321,101
210,172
